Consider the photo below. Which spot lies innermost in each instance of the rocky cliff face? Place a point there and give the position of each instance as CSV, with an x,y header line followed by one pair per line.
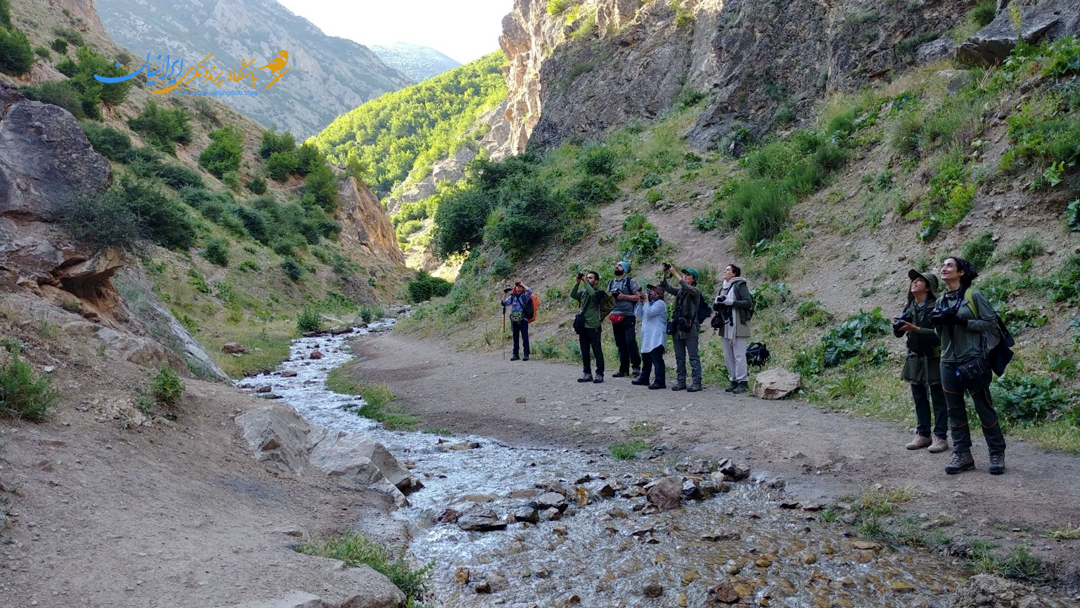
x,y
330,76
365,226
621,60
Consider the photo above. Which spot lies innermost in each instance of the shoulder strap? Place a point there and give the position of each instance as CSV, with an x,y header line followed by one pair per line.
x,y
969,296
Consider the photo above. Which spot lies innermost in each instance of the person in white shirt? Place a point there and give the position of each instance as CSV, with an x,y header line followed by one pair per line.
x,y
652,310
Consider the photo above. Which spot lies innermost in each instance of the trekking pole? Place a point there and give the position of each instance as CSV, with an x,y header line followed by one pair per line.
x,y
502,336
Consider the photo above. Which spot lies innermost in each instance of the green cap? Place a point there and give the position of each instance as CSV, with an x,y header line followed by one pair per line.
x,y
692,272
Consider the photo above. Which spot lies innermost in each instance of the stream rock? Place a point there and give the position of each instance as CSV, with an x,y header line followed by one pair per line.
x,y
287,443
481,519
665,493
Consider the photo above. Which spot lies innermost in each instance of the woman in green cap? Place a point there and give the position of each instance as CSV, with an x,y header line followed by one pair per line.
x,y
922,367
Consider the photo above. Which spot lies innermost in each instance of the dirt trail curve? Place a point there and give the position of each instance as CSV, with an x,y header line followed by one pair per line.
x,y
820,455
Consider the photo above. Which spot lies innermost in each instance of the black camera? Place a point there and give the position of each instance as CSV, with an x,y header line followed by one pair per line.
x,y
580,275
939,315
667,266
904,317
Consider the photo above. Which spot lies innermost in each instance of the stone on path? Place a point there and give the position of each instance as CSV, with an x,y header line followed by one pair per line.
x,y
666,493
776,383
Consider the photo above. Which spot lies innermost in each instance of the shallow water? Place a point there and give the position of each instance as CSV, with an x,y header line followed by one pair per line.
x,y
745,546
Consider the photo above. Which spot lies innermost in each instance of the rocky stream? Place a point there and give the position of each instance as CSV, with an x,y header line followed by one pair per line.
x,y
511,526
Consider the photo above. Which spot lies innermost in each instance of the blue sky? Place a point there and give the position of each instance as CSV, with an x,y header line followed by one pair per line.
x,y
464,30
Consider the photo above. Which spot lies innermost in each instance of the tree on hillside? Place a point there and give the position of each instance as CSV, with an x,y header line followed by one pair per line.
x,y
223,154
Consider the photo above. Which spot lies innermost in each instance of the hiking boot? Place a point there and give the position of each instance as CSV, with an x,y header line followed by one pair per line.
x,y
731,386
741,388
693,388
515,358
638,381
619,374
997,463
918,443
679,386
654,386
525,358
636,371
586,377
940,444
599,378
960,463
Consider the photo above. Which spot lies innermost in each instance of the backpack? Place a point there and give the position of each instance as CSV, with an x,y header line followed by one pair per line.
x,y
703,309
757,353
999,353
528,309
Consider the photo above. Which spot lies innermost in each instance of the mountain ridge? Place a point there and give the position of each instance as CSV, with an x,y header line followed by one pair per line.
x,y
415,61
329,75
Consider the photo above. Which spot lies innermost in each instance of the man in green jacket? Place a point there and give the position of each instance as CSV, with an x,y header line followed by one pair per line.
x,y
589,336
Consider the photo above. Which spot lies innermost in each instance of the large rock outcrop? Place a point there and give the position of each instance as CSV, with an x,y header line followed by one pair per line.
x,y
365,226
621,61
46,162
1049,20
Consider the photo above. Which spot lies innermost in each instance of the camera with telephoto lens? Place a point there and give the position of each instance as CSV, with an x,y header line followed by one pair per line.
x,y
904,317
667,266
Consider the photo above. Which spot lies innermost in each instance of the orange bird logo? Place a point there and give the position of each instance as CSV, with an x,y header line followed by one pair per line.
x,y
277,67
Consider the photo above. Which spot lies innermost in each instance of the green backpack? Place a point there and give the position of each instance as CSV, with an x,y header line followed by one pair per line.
x,y
607,304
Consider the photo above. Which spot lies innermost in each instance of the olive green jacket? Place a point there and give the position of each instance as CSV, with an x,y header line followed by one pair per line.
x,y
923,362
589,306
958,344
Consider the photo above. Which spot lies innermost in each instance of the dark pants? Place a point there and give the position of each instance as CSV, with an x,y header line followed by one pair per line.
x,y
626,342
591,338
653,360
682,347
521,327
922,399
958,418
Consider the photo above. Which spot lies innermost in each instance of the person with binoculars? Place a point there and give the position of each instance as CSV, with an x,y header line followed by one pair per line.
x,y
922,367
587,324
627,294
517,297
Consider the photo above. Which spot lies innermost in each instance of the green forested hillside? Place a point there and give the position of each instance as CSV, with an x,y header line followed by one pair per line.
x,y
416,126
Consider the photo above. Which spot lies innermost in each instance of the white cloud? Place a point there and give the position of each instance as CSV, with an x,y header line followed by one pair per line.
x,y
463,30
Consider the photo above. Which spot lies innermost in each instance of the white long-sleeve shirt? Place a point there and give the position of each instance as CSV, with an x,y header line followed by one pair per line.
x,y
653,317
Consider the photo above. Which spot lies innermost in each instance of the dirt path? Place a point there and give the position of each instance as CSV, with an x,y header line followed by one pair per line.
x,y
820,455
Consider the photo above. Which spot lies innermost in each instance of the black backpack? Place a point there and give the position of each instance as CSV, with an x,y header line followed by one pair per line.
x,y
757,354
527,308
703,309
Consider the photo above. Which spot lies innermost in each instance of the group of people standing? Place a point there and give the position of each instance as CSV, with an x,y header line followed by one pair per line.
x,y
732,303
950,328
947,325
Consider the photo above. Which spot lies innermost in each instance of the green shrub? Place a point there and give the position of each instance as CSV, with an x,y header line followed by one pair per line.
x,y
1028,248
598,159
24,394
980,250
108,142
369,313
217,251
292,269
16,55
59,93
280,165
273,143
59,45
257,185
223,153
1027,398
166,388
179,176
163,128
308,320
849,340
354,549
42,52
254,223
249,265
90,92
983,13
558,7
69,35
131,207
425,287
321,188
